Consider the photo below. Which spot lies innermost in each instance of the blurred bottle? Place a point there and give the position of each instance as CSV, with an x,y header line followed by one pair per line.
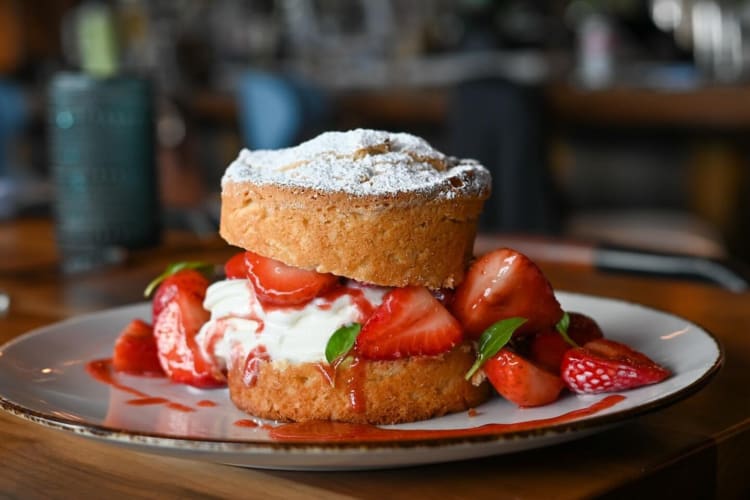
x,y
596,64
102,154
97,41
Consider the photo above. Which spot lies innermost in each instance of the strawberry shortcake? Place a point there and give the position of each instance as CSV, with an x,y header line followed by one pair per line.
x,y
337,310
354,297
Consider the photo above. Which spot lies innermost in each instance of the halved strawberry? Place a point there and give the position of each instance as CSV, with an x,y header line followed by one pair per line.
x,y
135,350
505,284
547,349
409,322
236,267
606,366
519,380
279,284
583,329
548,346
178,322
188,281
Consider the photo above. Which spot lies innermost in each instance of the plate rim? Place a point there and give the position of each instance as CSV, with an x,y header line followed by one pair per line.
x,y
228,445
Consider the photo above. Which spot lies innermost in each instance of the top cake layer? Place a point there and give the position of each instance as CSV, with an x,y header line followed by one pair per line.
x,y
363,163
376,207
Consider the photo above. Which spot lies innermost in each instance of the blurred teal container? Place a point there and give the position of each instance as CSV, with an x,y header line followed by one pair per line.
x,y
103,161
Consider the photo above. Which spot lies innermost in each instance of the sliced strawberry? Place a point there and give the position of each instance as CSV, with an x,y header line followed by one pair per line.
x,y
188,281
582,329
176,326
505,284
606,366
521,381
236,267
135,350
279,284
409,322
548,347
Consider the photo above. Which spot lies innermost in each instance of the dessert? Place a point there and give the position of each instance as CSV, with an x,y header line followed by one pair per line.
x,y
365,223
371,206
354,298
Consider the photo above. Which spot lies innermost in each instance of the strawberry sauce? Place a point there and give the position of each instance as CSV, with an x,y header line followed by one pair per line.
x,y
252,365
202,365
323,431
147,401
214,335
179,407
246,422
328,372
355,385
319,431
355,380
101,371
356,295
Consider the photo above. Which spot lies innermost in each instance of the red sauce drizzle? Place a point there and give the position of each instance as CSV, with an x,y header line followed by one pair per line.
x,y
217,332
207,403
147,401
253,302
252,365
322,431
252,317
328,372
179,407
245,423
355,386
356,295
354,381
220,327
267,307
101,371
251,423
202,365
261,325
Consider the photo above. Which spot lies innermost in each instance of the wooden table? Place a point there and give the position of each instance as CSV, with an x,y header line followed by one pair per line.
x,y
694,449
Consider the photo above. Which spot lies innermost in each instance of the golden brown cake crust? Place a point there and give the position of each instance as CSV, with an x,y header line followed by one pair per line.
x,y
399,240
384,392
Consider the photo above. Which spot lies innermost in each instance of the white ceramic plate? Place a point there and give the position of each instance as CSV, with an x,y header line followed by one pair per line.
x,y
43,378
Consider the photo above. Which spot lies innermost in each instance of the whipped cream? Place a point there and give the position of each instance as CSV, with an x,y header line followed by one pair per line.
x,y
363,162
239,323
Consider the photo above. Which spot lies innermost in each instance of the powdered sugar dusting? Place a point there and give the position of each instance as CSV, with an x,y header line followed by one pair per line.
x,y
363,162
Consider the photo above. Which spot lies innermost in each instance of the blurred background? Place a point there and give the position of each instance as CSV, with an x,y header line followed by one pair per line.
x,y
623,121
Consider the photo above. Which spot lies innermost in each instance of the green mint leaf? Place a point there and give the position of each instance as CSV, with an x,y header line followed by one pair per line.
x,y
564,323
562,328
173,268
342,341
492,340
